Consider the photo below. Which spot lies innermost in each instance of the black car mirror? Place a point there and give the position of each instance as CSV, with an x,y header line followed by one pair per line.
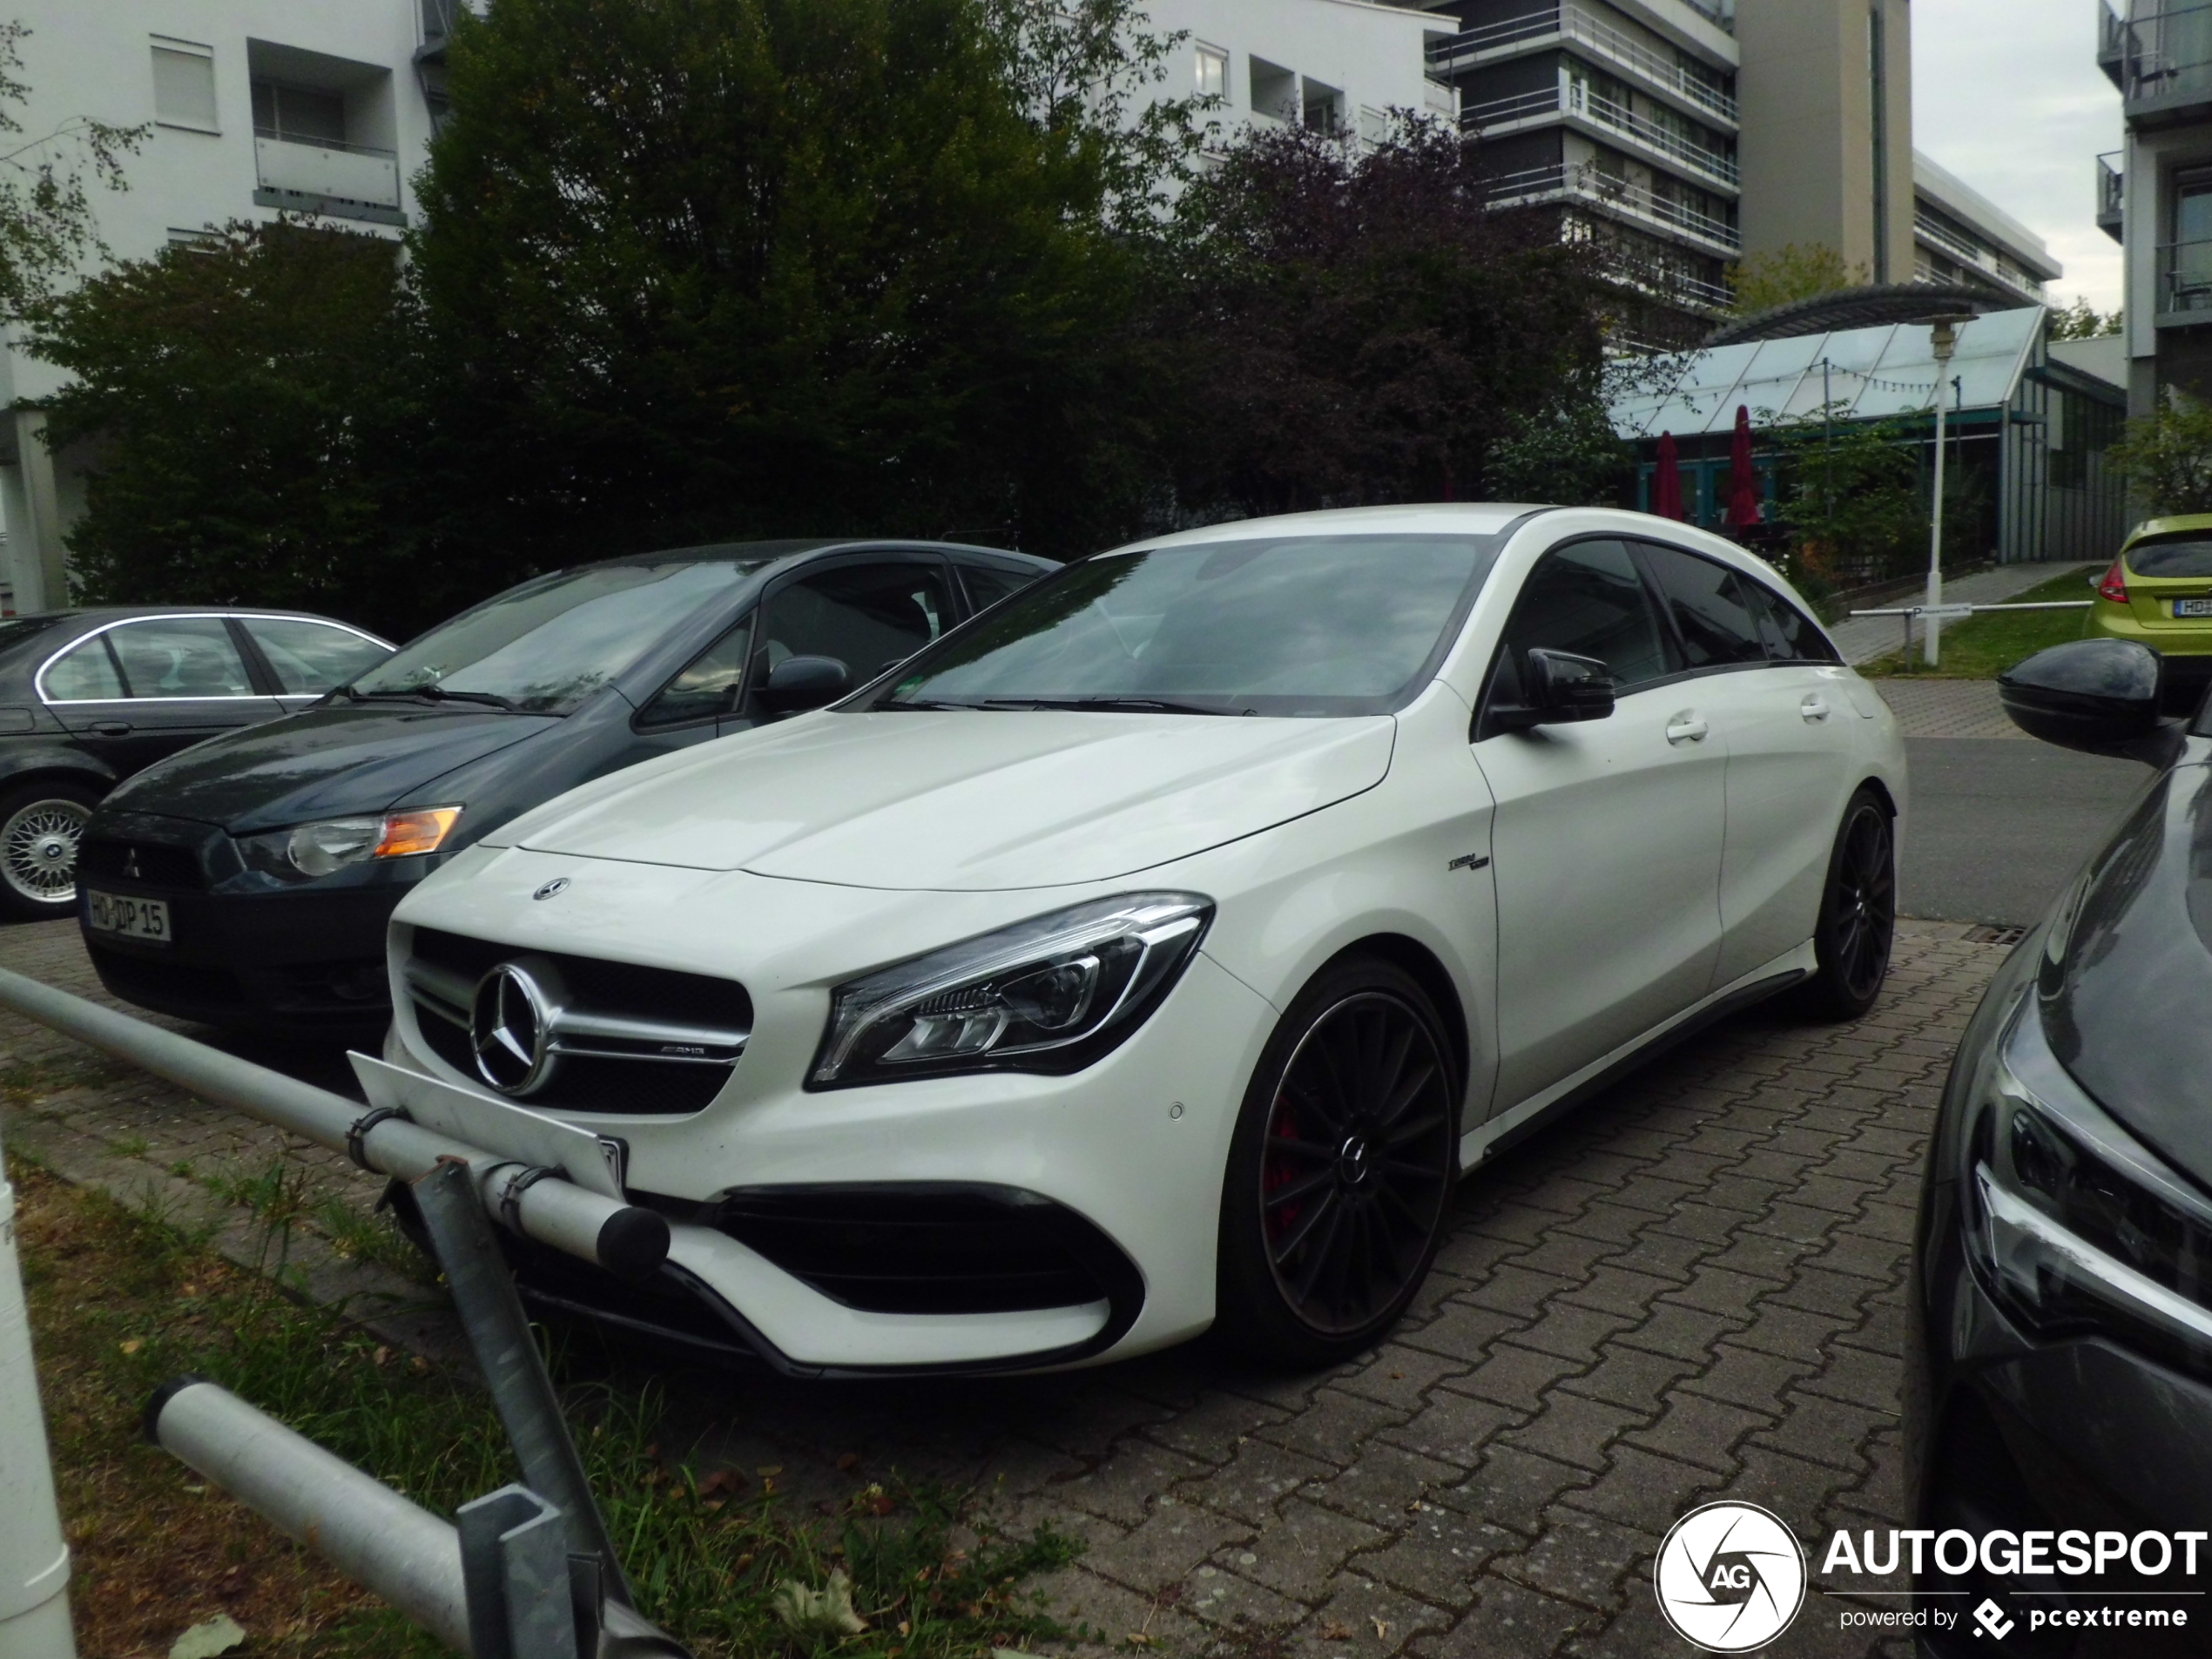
x,y
798,684
1563,688
2099,696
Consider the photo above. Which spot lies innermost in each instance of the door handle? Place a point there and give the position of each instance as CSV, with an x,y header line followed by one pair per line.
x,y
112,728
1686,728
1814,708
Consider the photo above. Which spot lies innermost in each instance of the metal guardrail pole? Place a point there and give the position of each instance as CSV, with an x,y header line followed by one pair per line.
x,y
34,1556
515,1563
623,1238
499,1333
361,1526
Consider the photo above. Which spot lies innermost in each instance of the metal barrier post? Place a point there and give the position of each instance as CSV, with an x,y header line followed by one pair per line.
x,y
515,1563
483,1293
34,1557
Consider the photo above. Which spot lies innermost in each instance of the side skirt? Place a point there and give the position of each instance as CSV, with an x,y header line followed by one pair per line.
x,y
1517,1122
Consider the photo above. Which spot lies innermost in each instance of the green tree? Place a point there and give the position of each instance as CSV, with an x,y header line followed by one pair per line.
x,y
249,403
2082,321
704,268
2167,457
1794,271
1351,323
1852,503
46,222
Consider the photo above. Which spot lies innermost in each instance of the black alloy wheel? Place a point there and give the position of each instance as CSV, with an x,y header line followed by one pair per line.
x,y
1857,914
1342,1169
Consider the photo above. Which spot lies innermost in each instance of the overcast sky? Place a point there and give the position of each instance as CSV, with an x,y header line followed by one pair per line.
x,y
2008,95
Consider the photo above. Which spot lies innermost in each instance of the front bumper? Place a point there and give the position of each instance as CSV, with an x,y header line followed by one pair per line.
x,y
1128,1152
243,952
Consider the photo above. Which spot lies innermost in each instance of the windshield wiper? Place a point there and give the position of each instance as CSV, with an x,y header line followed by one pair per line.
x,y
439,694
1106,705
921,703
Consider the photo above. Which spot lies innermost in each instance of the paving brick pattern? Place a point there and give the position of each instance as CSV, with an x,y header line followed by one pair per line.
x,y
1692,1289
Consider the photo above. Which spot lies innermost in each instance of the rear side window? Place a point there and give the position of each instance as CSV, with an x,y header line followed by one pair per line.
x,y
867,617
1709,608
1788,635
312,657
1586,598
85,674
2170,555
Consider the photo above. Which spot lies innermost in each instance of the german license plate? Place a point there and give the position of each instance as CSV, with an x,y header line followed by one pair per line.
x,y
2193,607
112,913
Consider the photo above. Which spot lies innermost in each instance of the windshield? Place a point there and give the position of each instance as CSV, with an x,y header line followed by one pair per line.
x,y
2170,555
1305,626
549,645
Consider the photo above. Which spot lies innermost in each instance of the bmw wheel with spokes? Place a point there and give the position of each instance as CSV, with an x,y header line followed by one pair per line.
x,y
1341,1172
41,825
1857,914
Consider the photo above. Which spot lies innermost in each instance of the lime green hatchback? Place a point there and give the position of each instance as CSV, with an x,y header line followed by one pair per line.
x,y
2158,593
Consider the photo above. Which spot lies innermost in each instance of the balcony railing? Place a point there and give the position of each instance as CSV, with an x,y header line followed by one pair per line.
x,y
2185,276
345,181
2112,192
1577,100
1634,201
2164,59
1984,261
2112,42
1601,39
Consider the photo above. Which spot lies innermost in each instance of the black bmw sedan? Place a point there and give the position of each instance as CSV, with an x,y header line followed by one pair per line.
x,y
2059,1367
88,696
247,882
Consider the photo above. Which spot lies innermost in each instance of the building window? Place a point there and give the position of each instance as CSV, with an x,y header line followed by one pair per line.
x,y
299,114
184,85
1213,72
1275,91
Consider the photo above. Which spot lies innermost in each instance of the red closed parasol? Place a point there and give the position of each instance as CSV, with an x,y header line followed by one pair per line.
x,y
1743,477
1665,483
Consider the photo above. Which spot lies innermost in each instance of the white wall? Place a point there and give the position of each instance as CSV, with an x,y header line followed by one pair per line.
x,y
1371,53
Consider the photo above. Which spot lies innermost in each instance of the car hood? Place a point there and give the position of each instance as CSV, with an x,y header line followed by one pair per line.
x,y
320,763
966,800
2127,986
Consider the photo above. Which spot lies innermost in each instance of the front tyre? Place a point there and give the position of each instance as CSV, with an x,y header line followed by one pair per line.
x,y
1341,1169
1858,915
41,824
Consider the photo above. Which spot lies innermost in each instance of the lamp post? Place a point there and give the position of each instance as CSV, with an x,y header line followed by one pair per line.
x,y
1945,340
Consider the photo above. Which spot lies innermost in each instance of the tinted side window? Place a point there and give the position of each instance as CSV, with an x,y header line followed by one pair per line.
x,y
1709,608
85,674
708,686
1587,599
1788,635
987,584
312,656
866,616
180,656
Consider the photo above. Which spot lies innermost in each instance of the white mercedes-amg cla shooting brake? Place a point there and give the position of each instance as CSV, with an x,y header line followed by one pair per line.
x,y
1156,950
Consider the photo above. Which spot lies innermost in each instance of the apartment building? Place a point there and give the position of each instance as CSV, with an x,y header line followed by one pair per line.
x,y
2154,194
253,108
1334,65
1686,135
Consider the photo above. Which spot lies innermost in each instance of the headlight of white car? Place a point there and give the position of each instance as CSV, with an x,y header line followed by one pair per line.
x,y
1052,994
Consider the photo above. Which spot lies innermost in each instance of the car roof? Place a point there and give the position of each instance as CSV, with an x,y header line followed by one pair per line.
x,y
1439,518
2180,524
796,547
123,613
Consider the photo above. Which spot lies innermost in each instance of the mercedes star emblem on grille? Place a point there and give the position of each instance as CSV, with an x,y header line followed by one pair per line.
x,y
510,1028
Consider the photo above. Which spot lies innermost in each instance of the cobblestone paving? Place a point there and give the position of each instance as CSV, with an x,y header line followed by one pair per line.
x,y
1948,709
1692,1289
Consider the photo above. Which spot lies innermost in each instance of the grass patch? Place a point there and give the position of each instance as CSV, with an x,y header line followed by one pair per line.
x,y
1983,647
120,1302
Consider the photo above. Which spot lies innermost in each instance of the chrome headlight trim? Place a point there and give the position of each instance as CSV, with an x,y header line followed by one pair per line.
x,y
1051,994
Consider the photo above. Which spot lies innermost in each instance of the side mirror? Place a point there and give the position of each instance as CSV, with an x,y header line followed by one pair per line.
x,y
1558,688
2099,696
798,684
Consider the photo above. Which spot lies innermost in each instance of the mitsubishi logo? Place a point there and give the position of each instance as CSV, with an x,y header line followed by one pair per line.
x,y
511,1025
130,865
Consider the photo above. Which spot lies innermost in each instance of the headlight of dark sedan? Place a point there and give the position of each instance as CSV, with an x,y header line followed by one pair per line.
x,y
2075,1226
1052,993
329,844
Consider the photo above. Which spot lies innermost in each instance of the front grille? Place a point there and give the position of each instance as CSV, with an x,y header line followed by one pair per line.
x,y
634,1020
147,861
931,1247
190,988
